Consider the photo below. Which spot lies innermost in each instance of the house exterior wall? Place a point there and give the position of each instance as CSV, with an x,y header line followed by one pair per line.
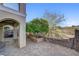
x,y
19,17
1,34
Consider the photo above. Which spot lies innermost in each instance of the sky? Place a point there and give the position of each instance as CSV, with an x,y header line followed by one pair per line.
x,y
70,11
37,10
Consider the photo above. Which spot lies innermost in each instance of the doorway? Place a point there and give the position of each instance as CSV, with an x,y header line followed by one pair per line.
x,y
9,32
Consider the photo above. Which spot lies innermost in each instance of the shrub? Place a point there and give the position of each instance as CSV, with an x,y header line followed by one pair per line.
x,y
37,26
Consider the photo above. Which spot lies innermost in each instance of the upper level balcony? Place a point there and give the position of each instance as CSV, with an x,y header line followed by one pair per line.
x,y
15,8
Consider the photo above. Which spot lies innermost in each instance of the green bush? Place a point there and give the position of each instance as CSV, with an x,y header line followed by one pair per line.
x,y
37,26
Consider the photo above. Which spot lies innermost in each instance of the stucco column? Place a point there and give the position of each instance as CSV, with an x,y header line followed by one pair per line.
x,y
1,34
15,33
22,35
22,8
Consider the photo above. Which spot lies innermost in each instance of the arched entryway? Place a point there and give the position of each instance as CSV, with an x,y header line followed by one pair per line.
x,y
7,23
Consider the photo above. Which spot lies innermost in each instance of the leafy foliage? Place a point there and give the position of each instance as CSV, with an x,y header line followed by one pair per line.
x,y
37,26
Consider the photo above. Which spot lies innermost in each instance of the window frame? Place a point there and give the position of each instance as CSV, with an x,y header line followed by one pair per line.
x,y
10,7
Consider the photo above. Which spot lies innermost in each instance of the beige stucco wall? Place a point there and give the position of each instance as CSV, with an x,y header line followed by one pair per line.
x,y
1,33
21,19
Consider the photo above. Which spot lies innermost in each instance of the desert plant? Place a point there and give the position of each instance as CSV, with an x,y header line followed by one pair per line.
x,y
54,20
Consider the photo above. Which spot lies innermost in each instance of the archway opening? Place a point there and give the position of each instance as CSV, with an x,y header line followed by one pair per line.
x,y
9,31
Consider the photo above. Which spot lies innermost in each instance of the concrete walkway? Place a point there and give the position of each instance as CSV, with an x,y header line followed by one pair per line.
x,y
39,49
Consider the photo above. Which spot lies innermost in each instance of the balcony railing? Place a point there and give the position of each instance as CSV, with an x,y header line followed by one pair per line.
x,y
4,8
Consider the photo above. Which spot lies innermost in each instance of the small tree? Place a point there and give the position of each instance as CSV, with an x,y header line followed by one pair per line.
x,y
37,25
54,20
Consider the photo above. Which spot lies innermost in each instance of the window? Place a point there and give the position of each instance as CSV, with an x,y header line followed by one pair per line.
x,y
8,32
14,6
